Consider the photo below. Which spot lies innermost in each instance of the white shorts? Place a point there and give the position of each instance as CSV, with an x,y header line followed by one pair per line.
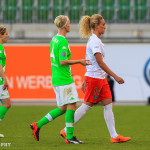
x,y
66,94
3,93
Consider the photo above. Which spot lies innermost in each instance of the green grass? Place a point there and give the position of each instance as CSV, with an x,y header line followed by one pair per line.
x,y
133,121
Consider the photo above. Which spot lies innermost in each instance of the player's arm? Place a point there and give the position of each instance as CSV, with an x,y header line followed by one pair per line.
x,y
2,75
101,63
63,57
83,62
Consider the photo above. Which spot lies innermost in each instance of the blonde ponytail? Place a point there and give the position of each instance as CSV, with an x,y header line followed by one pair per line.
x,y
87,24
85,27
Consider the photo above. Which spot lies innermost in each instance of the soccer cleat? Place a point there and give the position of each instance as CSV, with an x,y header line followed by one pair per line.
x,y
1,135
73,141
119,139
63,133
35,130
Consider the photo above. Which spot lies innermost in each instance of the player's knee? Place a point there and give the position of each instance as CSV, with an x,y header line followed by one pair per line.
x,y
64,110
8,105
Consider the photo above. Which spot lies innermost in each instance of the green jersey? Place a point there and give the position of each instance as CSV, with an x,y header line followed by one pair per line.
x,y
2,60
60,51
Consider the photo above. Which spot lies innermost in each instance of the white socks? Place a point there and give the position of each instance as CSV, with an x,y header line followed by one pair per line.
x,y
108,115
80,112
109,118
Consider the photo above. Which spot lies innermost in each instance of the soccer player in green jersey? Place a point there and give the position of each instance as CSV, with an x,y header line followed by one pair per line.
x,y
63,83
4,95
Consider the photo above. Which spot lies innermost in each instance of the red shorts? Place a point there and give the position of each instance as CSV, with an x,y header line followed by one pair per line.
x,y
96,90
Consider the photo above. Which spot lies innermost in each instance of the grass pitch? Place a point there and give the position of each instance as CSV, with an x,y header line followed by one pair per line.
x,y
133,121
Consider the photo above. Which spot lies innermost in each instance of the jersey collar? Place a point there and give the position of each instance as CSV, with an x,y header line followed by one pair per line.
x,y
60,35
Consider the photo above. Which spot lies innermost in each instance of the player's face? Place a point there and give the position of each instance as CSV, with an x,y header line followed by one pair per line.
x,y
67,26
5,37
102,27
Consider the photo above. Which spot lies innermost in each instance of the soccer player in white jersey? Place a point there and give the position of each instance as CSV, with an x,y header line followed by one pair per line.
x,y
63,83
4,95
95,85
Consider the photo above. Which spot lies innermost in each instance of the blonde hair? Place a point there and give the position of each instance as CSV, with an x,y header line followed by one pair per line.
x,y
87,24
61,21
2,29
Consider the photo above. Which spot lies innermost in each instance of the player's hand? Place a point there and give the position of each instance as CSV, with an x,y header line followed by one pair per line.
x,y
119,80
5,83
83,88
84,62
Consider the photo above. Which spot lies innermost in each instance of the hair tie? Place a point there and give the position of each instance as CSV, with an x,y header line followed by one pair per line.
x,y
65,23
2,30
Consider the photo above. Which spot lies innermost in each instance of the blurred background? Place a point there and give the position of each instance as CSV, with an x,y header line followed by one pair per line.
x,y
127,20
30,25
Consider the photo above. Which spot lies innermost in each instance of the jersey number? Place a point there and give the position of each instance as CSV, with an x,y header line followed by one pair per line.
x,y
52,54
96,91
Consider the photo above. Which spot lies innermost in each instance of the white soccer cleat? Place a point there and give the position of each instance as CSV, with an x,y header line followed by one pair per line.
x,y
1,135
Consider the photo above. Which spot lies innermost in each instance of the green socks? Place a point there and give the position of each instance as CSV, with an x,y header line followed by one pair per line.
x,y
69,119
49,117
3,111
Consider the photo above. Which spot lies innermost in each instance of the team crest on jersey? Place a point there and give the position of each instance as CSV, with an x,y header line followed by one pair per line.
x,y
147,72
63,54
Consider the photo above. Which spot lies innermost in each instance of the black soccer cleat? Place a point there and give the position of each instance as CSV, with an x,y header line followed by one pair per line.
x,y
74,141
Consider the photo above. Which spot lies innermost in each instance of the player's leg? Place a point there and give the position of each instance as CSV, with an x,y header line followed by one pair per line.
x,y
71,98
105,95
109,119
52,114
59,91
6,103
36,126
69,120
86,106
79,113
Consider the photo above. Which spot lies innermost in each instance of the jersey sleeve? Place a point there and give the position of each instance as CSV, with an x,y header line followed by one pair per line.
x,y
96,47
63,49
1,53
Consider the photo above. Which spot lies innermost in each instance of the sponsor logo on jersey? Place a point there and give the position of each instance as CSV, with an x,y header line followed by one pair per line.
x,y
147,72
64,47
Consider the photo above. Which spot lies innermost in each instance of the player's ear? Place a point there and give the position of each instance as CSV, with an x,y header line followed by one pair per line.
x,y
96,25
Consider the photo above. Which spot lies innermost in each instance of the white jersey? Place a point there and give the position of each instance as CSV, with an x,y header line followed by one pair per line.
x,y
94,45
